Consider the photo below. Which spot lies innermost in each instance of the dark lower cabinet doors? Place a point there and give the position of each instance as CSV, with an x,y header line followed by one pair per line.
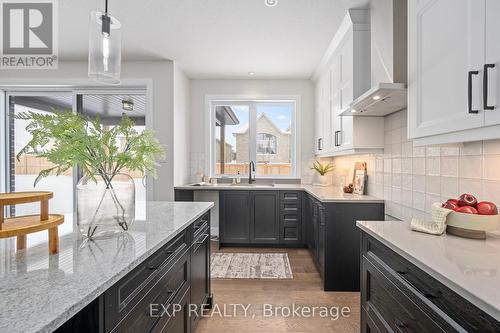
x,y
200,274
234,217
264,217
250,217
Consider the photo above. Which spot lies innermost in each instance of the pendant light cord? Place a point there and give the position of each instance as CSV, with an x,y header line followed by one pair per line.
x,y
106,7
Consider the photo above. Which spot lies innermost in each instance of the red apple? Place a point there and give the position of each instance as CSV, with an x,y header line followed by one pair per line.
x,y
467,210
452,200
467,200
450,205
487,208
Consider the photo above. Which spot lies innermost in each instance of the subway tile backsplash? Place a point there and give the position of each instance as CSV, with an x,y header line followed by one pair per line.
x,y
411,178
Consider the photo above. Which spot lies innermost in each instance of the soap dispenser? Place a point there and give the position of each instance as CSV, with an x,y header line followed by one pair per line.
x,y
238,178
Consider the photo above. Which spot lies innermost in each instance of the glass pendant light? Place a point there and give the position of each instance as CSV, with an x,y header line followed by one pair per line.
x,y
105,47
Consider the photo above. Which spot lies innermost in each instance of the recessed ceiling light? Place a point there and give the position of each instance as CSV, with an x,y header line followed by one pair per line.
x,y
353,111
376,97
251,73
271,3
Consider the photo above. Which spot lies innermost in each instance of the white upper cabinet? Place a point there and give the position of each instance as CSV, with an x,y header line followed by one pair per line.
x,y
346,59
322,102
492,64
446,52
450,44
347,65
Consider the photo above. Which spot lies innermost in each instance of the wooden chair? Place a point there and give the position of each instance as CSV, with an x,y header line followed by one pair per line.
x,y
20,226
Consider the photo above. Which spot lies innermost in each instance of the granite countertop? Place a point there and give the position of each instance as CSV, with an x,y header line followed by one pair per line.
x,y
38,292
322,193
470,267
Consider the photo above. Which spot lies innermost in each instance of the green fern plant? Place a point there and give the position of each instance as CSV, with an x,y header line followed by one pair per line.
x,y
66,139
321,168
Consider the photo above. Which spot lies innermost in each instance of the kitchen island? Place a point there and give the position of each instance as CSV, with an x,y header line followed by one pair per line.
x,y
411,281
107,285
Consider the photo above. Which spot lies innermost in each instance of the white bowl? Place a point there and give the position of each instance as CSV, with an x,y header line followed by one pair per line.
x,y
473,221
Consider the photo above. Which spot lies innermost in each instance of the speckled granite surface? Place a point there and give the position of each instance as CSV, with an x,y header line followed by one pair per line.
x,y
470,267
322,193
38,292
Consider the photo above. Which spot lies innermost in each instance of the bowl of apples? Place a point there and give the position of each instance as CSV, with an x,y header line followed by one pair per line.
x,y
471,218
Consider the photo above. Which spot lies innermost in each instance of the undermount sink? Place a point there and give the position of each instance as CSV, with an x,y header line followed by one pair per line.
x,y
254,185
235,185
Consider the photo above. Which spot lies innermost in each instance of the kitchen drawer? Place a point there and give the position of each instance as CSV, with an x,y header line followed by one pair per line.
x,y
290,196
166,287
123,296
290,228
200,224
290,207
178,321
386,303
291,233
287,218
460,313
368,324
162,256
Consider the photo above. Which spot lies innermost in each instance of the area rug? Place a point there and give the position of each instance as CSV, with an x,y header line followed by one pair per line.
x,y
250,266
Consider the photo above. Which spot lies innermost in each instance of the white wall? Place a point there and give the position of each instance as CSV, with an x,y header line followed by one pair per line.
x,y
201,88
181,131
158,75
411,178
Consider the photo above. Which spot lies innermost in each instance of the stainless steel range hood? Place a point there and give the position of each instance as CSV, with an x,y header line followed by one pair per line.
x,y
379,101
388,61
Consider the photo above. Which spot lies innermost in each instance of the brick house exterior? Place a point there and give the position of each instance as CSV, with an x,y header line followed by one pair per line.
x,y
273,144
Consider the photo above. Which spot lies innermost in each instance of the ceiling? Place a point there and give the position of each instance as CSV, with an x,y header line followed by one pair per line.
x,y
214,38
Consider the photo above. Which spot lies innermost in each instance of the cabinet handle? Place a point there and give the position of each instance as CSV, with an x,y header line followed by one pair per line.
x,y
430,295
485,87
202,239
320,144
469,91
400,325
337,140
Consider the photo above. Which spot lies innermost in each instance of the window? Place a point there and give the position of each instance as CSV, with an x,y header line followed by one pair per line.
x,y
266,143
19,174
263,132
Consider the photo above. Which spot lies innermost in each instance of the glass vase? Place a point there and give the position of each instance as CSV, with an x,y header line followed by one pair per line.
x,y
105,208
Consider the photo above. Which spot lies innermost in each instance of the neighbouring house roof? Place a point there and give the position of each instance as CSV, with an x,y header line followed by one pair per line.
x,y
225,115
266,117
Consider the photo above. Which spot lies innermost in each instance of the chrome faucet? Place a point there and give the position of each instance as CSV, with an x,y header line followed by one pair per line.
x,y
251,168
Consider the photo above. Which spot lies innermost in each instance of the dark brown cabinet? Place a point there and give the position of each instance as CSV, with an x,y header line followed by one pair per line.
x,y
172,278
397,296
333,239
260,218
316,223
200,272
291,209
234,218
264,217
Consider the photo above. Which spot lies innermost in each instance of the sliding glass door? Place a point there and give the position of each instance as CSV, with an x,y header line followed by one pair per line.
x,y
23,169
20,171
109,108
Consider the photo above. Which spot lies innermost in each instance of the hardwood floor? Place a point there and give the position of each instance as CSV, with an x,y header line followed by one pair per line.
x,y
303,290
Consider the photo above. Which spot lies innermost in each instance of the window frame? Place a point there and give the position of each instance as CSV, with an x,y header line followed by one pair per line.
x,y
212,101
71,90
